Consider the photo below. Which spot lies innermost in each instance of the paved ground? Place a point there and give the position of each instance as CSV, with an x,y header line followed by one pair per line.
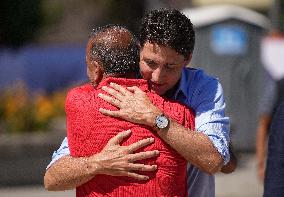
x,y
241,183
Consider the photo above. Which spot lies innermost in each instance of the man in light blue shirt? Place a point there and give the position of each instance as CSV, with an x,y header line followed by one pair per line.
x,y
165,50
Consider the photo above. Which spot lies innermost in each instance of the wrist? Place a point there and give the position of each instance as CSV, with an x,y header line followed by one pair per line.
x,y
260,164
151,119
162,123
92,165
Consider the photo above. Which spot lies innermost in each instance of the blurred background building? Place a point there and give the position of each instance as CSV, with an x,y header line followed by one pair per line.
x,y
228,41
42,54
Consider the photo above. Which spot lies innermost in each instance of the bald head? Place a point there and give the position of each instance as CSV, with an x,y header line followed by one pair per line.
x,y
115,49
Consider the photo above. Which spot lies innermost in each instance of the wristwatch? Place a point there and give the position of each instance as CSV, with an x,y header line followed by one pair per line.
x,y
161,121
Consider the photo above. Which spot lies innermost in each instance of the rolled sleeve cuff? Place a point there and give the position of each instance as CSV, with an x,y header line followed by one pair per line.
x,y
61,152
221,147
218,133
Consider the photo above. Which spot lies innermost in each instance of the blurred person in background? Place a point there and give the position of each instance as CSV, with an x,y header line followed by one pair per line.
x,y
274,173
272,96
267,102
167,40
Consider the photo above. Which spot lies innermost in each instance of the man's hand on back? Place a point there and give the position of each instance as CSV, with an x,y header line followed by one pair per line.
x,y
134,104
116,160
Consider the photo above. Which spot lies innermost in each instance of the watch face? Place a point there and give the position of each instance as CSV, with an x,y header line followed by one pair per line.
x,y
162,122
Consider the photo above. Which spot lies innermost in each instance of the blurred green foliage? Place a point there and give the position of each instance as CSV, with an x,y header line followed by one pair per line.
x,y
22,20
128,13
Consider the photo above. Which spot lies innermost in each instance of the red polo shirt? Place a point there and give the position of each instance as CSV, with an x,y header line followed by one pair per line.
x,y
89,131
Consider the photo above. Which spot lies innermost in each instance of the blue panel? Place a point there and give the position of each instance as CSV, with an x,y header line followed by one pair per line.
x,y
229,40
43,68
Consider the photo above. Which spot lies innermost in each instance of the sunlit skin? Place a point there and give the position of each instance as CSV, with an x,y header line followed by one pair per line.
x,y
161,66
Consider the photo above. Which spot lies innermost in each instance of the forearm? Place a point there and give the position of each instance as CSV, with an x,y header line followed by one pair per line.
x,y
260,146
114,160
136,107
261,139
68,173
195,147
231,165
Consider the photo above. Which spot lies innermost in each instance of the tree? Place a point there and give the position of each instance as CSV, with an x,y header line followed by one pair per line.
x,y
20,21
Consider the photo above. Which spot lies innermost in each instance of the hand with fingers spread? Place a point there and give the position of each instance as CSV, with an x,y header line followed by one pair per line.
x,y
117,160
134,104
113,160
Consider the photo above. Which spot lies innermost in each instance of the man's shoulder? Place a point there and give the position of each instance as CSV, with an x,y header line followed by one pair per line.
x,y
84,88
197,78
198,86
78,94
196,73
125,82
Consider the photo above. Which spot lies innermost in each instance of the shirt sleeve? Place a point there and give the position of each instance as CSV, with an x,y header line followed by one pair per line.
x,y
268,95
62,151
210,116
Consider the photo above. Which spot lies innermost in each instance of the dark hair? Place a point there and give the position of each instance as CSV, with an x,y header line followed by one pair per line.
x,y
115,48
168,27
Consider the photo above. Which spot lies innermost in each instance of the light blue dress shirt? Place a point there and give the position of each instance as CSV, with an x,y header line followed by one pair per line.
x,y
204,94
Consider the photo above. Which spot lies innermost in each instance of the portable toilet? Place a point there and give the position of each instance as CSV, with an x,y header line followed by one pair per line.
x,y
228,40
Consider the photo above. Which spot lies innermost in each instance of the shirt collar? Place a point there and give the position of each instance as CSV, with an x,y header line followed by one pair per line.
x,y
181,89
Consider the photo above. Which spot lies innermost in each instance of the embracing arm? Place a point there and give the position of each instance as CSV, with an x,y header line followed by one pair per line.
x,y
261,144
195,147
115,160
66,173
231,165
135,106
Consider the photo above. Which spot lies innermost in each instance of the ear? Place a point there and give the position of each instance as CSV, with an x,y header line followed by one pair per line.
x,y
95,72
88,51
188,59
